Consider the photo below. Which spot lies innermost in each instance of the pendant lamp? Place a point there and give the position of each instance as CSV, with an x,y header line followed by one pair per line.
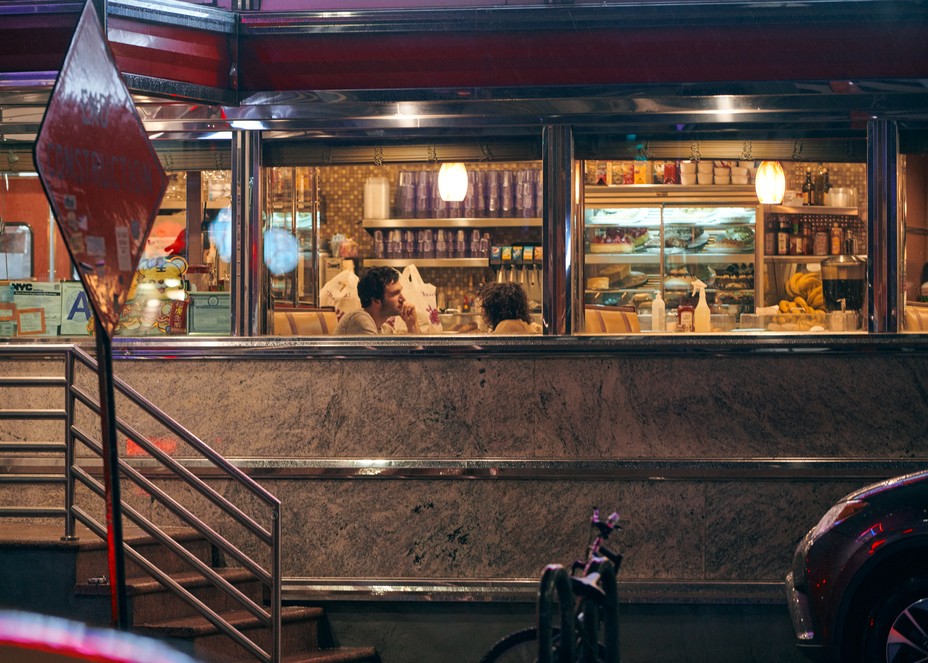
x,y
770,183
452,182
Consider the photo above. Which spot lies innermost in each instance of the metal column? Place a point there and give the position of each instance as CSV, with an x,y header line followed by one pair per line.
x,y
247,275
558,231
883,233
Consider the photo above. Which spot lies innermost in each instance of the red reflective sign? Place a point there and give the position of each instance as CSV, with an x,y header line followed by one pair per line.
x,y
99,169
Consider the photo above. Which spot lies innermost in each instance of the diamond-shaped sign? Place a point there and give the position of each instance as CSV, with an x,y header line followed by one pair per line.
x,y
99,169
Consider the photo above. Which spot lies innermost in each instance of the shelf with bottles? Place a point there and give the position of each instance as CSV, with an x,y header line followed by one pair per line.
x,y
812,233
455,223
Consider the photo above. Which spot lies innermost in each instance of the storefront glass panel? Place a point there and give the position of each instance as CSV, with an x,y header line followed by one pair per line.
x,y
181,286
393,216
915,239
656,231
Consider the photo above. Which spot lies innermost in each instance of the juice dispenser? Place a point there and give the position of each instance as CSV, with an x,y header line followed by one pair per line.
x,y
844,282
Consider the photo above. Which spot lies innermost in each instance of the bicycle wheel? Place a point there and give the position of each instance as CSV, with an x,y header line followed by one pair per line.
x,y
518,647
522,647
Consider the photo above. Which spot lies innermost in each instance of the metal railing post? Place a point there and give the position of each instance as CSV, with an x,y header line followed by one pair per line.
x,y
69,534
275,586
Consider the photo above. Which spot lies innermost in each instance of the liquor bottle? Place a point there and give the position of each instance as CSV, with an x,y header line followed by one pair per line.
x,y
818,187
808,189
796,247
820,243
770,236
783,238
837,238
807,239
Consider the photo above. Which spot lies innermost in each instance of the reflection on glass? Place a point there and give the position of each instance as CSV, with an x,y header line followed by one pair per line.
x,y
220,234
281,251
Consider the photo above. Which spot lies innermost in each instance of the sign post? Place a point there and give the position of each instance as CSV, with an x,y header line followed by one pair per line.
x,y
104,183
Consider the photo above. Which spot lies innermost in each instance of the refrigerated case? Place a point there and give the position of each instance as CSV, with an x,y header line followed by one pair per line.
x,y
644,239
291,226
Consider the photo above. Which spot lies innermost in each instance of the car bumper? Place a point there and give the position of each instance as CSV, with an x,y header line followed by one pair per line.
x,y
804,625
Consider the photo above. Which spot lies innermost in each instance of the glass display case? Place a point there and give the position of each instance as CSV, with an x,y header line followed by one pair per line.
x,y
291,224
647,239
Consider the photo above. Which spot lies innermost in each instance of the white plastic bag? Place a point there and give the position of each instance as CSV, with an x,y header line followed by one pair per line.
x,y
341,291
423,296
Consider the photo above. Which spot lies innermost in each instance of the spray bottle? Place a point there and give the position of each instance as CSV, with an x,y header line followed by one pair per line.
x,y
702,321
658,313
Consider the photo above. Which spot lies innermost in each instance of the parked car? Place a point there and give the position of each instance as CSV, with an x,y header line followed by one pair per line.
x,y
858,588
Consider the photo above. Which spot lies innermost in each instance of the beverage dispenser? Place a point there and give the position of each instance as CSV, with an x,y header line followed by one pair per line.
x,y
844,283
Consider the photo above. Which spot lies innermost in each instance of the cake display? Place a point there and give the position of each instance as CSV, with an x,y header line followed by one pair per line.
x,y
737,237
684,237
618,240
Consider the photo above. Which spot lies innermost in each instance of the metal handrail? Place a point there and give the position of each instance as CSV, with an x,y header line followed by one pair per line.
x,y
268,536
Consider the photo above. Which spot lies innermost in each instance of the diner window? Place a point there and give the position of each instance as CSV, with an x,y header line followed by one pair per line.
x,y
181,286
915,267
326,226
182,282
682,245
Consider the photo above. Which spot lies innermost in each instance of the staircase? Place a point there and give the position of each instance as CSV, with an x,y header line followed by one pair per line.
x,y
156,612
212,589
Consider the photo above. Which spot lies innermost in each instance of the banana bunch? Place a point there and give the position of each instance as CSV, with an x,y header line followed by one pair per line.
x,y
806,290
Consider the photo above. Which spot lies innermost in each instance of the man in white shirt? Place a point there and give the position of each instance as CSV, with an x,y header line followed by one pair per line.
x,y
381,296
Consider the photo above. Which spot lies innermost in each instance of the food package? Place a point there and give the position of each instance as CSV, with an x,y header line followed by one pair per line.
x,y
623,172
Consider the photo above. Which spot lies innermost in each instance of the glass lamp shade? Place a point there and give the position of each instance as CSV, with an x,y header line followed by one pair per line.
x,y
452,182
770,183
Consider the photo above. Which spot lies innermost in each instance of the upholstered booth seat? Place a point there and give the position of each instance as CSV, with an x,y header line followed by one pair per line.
x,y
303,322
611,320
916,317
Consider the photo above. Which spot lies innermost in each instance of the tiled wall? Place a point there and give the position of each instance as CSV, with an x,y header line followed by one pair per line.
x,y
851,175
343,190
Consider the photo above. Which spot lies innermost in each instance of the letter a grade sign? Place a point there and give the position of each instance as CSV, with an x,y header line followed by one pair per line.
x,y
99,169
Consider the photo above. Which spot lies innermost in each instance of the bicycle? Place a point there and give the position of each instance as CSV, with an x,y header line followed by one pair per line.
x,y
587,599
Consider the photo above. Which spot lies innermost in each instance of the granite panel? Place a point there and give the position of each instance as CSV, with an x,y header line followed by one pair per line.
x,y
827,406
457,408
483,529
753,528
590,407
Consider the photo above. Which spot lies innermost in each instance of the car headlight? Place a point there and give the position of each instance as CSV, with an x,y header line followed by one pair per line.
x,y
836,515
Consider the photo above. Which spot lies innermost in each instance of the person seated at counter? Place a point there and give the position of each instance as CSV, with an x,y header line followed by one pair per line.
x,y
381,295
505,309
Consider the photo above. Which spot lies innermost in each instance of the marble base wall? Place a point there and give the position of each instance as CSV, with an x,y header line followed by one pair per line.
x,y
676,408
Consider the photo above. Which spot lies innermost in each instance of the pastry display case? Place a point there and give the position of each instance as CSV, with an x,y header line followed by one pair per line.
x,y
646,239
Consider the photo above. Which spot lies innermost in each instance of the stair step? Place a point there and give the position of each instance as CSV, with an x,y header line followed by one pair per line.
x,y
92,559
337,655
299,627
151,602
241,619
